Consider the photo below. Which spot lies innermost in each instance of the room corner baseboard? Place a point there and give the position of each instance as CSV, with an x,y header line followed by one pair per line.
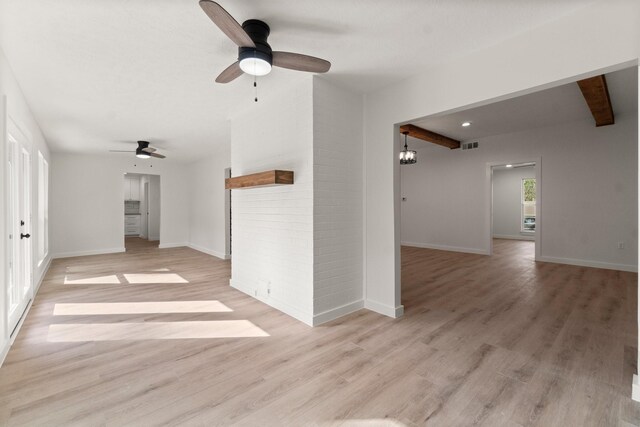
x,y
587,263
335,313
446,248
635,389
387,310
172,245
86,253
209,251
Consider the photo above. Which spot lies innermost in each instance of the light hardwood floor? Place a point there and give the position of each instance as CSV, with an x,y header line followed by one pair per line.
x,y
490,341
138,244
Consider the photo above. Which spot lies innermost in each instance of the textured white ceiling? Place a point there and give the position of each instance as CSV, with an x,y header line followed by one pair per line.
x,y
100,72
545,108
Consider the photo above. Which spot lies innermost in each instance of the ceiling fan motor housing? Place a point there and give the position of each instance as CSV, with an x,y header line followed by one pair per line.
x,y
258,31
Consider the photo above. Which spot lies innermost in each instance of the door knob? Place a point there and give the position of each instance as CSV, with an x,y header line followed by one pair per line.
x,y
24,236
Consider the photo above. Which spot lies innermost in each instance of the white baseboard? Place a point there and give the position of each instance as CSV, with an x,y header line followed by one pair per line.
x,y
47,264
387,310
514,237
272,302
85,253
635,389
209,251
153,238
172,245
334,313
446,248
587,263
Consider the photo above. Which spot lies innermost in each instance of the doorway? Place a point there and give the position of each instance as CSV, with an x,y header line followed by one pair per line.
x,y
515,216
18,190
141,212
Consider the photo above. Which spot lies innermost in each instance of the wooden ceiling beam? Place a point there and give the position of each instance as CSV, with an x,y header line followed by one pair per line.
x,y
426,135
596,93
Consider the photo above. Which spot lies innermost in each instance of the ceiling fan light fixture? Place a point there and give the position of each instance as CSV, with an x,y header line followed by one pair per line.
x,y
142,154
254,62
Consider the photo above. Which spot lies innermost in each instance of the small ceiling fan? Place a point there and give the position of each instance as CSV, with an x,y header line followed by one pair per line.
x,y
143,151
255,56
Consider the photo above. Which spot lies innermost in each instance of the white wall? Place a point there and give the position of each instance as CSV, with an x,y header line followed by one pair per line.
x,y
507,202
598,38
86,202
338,198
13,106
207,227
273,227
299,247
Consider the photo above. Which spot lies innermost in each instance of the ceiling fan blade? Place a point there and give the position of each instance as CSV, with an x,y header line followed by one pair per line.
x,y
149,149
226,23
230,73
121,151
299,62
159,156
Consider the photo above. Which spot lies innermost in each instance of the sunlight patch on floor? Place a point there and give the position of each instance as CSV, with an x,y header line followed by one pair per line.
x,y
101,308
146,278
153,331
98,280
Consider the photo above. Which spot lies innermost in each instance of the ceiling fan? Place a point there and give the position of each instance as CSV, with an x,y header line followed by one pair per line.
x,y
255,56
143,151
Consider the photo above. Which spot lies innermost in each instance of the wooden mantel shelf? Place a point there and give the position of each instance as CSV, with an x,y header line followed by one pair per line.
x,y
261,179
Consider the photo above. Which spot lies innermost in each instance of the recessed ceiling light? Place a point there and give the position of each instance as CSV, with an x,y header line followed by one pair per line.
x,y
465,124
509,166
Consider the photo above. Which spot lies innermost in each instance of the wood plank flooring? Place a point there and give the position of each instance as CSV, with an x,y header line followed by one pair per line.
x,y
495,341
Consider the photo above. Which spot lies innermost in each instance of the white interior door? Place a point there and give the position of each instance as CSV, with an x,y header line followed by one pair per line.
x,y
20,288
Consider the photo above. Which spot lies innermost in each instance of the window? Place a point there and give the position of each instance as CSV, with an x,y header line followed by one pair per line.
x,y
528,222
43,208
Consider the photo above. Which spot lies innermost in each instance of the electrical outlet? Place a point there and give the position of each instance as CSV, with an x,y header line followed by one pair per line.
x,y
620,245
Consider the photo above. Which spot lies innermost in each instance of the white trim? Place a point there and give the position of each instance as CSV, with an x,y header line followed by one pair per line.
x,y
446,248
587,263
635,389
153,238
334,313
85,253
387,310
518,237
278,305
47,264
209,251
172,245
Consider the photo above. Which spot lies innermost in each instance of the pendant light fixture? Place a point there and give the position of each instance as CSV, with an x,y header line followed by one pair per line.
x,y
407,157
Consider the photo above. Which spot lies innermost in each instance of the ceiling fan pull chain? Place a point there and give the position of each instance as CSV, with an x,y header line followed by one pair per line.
x,y
255,85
